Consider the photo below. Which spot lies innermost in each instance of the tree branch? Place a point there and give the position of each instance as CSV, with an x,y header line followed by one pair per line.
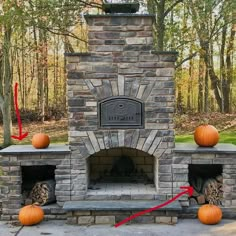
x,y
68,6
186,59
171,7
91,4
219,29
64,33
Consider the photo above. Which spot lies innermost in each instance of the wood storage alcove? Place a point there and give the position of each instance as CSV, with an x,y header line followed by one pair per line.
x,y
38,184
207,181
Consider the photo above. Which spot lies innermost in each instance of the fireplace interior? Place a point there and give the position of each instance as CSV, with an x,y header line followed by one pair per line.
x,y
207,182
41,179
121,170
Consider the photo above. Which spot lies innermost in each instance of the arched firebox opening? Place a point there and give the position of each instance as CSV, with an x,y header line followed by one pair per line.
x,y
121,171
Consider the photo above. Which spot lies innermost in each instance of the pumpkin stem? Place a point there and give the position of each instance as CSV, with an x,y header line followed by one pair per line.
x,y
205,121
36,204
211,202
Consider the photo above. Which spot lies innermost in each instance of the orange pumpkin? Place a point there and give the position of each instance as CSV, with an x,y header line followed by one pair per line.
x,y
40,140
209,214
206,136
31,215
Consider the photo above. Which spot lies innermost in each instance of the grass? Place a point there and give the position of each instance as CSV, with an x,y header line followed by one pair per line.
x,y
57,131
225,137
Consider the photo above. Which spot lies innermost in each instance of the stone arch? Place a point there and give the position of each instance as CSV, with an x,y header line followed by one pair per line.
x,y
149,141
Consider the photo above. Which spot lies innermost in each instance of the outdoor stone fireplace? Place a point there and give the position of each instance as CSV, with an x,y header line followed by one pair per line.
x,y
121,100
121,157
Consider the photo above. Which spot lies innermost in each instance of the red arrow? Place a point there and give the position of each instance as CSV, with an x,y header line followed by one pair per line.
x,y
21,136
189,191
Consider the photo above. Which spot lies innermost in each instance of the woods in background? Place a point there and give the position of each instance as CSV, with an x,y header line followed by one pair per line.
x,y
203,32
34,34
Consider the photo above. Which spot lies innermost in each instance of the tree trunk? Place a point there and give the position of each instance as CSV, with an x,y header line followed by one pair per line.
x,y
213,77
206,93
67,48
24,85
222,67
37,65
7,124
41,98
6,88
160,25
229,70
190,80
56,67
45,71
200,83
190,85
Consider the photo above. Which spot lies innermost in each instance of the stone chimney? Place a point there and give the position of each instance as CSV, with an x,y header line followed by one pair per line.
x,y
121,73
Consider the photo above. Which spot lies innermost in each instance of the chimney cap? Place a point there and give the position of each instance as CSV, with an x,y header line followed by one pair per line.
x,y
120,7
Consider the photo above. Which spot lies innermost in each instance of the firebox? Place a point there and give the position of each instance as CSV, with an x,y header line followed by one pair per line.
x,y
121,171
121,165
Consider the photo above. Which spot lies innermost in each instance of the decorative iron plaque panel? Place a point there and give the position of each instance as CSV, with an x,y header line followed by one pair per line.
x,y
121,112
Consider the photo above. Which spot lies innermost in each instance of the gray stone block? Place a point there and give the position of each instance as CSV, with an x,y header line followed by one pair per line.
x,y
105,220
229,181
180,177
165,169
181,160
143,220
86,220
163,219
71,220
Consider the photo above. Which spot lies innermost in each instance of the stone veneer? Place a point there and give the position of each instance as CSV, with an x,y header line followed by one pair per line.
x,y
13,158
223,154
173,174
120,62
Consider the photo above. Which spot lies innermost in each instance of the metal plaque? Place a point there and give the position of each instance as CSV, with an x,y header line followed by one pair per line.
x,y
121,112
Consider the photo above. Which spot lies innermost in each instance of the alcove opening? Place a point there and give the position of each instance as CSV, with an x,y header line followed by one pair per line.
x,y
207,181
38,184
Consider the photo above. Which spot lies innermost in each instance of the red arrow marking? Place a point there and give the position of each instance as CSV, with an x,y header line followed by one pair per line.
x,y
21,136
189,191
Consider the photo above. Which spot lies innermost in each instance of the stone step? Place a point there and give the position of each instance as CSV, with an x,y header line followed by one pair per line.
x,y
111,212
128,205
113,197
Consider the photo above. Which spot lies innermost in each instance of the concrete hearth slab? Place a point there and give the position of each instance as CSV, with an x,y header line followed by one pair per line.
x,y
29,149
128,205
226,148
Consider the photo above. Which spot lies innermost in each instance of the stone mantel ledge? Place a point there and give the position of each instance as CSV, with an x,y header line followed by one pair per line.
x,y
118,15
29,149
223,148
65,149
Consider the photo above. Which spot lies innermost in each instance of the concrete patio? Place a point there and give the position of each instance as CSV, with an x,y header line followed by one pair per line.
x,y
183,228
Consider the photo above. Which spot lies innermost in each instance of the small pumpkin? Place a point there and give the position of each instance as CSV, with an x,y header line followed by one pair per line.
x,y
40,140
206,135
209,214
31,215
